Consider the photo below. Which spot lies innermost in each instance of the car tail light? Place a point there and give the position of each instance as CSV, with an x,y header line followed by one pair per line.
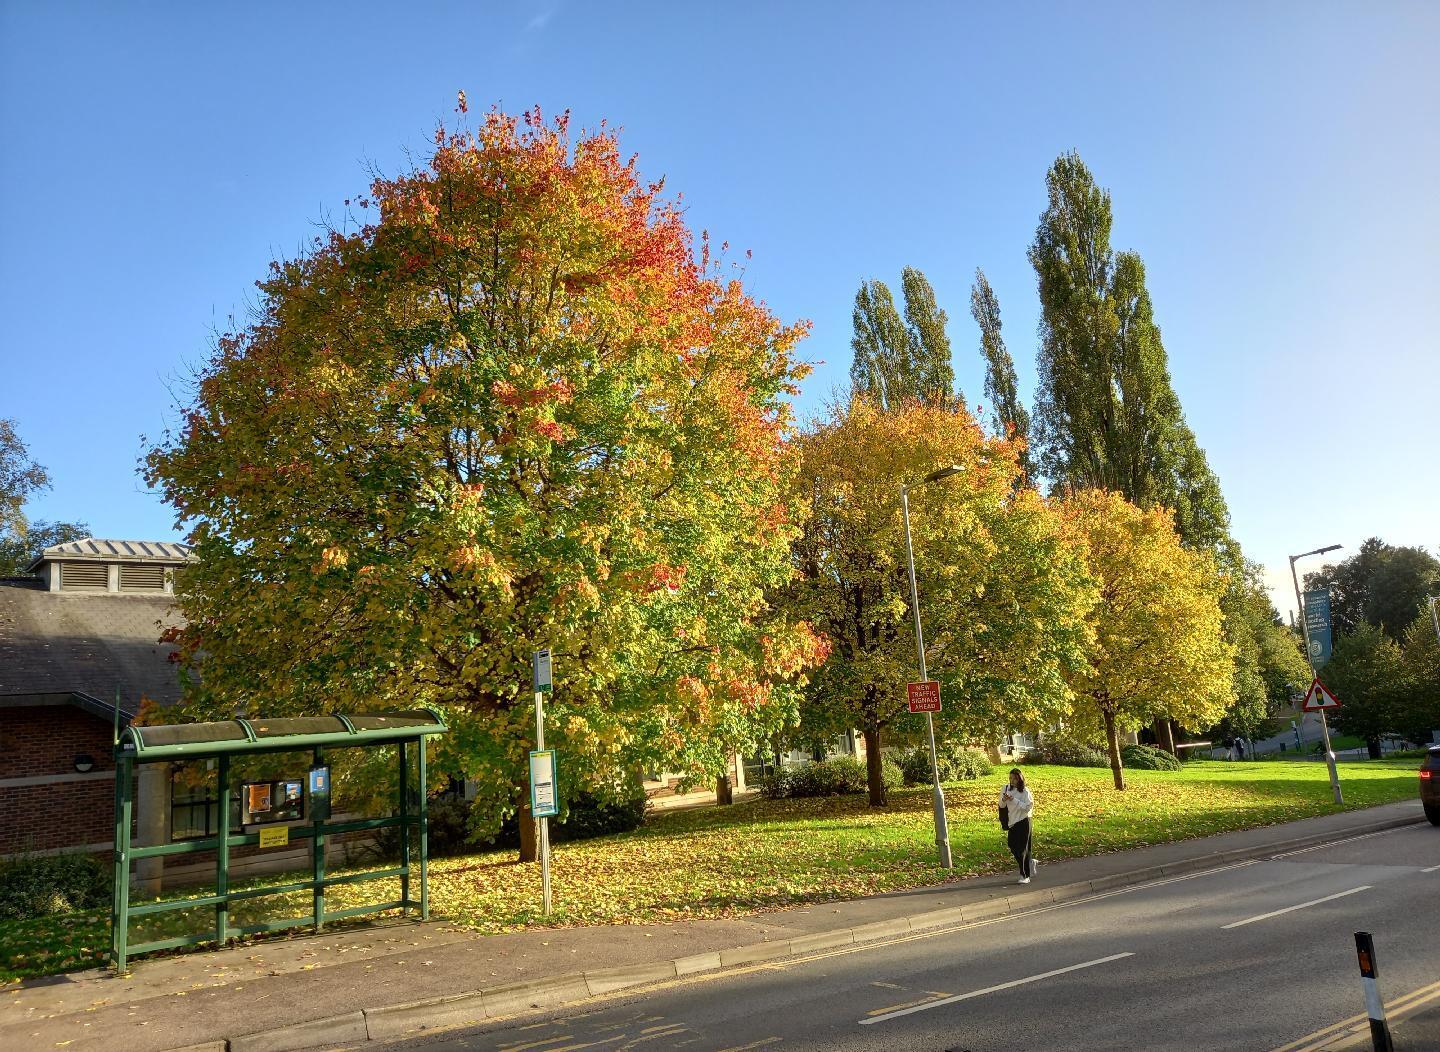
x,y
1425,776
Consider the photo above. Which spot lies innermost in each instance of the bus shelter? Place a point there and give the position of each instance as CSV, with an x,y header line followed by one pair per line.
x,y
268,804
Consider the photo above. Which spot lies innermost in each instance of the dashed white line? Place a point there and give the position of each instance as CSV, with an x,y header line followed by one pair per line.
x,y
1292,909
926,1006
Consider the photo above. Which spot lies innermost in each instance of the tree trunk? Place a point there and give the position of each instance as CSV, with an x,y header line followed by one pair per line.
x,y
1112,739
1165,736
529,833
874,773
724,791
1372,746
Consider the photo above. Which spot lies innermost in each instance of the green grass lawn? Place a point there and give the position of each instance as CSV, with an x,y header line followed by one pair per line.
x,y
766,854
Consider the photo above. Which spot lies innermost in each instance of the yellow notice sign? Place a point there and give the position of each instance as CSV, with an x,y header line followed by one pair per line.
x,y
277,837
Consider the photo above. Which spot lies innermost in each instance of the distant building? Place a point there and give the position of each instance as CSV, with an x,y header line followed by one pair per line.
x,y
78,638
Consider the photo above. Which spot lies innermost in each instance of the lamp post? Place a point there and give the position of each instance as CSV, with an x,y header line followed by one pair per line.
x,y
1431,600
942,827
1305,630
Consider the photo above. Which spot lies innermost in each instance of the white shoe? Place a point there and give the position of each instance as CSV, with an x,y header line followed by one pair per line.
x,y
1024,880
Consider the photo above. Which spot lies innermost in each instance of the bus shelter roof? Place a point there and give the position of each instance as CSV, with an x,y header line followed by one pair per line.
x,y
179,741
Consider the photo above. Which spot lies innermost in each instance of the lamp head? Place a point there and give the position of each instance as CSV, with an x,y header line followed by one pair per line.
x,y
943,473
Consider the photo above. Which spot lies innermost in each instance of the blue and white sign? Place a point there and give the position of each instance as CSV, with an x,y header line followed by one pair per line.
x,y
1317,625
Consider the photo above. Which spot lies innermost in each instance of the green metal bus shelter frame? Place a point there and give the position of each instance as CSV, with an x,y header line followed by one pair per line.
x,y
249,737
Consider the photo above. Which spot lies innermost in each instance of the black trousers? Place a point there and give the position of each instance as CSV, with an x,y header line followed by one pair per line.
x,y
1019,837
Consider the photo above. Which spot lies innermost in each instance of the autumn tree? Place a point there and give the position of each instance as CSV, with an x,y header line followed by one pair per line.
x,y
1010,418
515,408
1002,597
1159,651
900,361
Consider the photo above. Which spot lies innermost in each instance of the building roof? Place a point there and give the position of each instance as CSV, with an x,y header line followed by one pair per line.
x,y
94,644
116,551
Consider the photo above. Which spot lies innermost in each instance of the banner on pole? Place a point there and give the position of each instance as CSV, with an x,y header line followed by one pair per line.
x,y
1317,625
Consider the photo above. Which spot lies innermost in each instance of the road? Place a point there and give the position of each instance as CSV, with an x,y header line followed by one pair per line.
x,y
1252,956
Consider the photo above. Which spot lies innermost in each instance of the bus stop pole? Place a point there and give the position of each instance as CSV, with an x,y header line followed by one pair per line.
x,y
544,822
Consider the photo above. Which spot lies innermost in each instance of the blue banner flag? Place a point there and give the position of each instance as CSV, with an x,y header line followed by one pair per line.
x,y
1317,625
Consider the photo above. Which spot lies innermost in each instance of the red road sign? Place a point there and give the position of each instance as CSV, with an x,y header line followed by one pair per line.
x,y
1319,697
924,697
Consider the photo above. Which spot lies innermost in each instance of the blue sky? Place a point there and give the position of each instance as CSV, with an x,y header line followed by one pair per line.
x,y
1275,164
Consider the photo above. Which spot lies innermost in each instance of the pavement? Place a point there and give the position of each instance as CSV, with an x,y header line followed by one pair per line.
x,y
388,981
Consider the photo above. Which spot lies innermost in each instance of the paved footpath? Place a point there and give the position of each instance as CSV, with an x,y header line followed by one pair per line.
x,y
388,981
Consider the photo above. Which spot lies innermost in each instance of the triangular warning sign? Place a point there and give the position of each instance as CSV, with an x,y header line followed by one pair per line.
x,y
1319,697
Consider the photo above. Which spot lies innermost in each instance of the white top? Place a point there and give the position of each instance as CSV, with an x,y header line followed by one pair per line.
x,y
1019,803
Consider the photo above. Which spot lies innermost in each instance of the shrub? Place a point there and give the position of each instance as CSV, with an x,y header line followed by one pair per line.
x,y
1148,758
956,764
449,827
834,777
774,784
838,776
589,817
1067,754
40,886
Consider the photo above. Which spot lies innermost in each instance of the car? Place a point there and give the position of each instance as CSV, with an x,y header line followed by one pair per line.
x,y
1430,785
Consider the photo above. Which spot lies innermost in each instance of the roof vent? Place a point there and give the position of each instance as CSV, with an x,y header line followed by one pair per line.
x,y
87,577
142,577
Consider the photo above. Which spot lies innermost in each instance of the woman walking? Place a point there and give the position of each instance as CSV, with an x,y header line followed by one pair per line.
x,y
1017,803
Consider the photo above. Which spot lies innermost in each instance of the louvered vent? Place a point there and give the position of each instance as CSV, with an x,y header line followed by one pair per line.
x,y
86,576
140,577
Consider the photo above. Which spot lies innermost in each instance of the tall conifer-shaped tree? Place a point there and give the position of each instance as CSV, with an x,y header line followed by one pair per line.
x,y
1106,414
902,361
1009,416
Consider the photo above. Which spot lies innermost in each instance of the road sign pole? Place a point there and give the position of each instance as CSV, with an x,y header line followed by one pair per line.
x,y
942,827
1324,723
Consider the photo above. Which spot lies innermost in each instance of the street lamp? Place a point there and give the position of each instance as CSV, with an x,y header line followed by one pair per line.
x,y
1305,631
1431,600
942,827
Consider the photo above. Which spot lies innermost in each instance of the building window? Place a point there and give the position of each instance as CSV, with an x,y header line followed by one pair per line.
x,y
195,809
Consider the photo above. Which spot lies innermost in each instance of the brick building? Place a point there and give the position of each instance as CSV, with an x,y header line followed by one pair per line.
x,y
78,637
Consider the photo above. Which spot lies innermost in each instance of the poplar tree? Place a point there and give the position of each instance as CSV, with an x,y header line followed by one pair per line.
x,y
899,361
1106,414
1008,413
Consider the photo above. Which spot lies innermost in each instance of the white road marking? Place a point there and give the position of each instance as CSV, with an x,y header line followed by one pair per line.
x,y
1432,869
993,989
1336,843
1292,909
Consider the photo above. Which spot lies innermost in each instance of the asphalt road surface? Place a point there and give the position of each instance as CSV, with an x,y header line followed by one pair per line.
x,y
1252,956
